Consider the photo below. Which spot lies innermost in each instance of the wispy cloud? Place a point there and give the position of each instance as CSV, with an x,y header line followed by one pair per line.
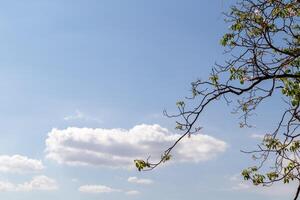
x,y
94,189
19,164
78,115
235,177
119,147
277,189
139,180
257,136
100,189
74,180
241,186
132,192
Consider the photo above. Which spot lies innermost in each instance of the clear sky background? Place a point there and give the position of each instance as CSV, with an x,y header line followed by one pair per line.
x,y
113,64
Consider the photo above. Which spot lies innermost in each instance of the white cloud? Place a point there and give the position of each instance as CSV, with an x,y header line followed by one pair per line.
x,y
74,180
76,116
98,189
139,181
257,136
241,186
132,192
277,189
119,147
6,186
81,116
40,183
235,177
94,189
19,164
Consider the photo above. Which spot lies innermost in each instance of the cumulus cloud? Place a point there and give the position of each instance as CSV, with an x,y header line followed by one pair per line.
x,y
132,192
6,186
19,164
139,180
38,183
95,189
119,147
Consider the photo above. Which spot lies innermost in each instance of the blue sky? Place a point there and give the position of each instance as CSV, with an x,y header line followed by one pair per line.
x,y
109,68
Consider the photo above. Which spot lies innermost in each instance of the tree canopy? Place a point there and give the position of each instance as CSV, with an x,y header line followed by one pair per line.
x,y
263,44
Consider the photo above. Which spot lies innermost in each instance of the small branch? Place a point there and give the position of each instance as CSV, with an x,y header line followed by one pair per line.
x,y
297,192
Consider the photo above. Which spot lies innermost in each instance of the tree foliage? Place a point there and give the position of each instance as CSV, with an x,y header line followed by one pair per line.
x,y
263,44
